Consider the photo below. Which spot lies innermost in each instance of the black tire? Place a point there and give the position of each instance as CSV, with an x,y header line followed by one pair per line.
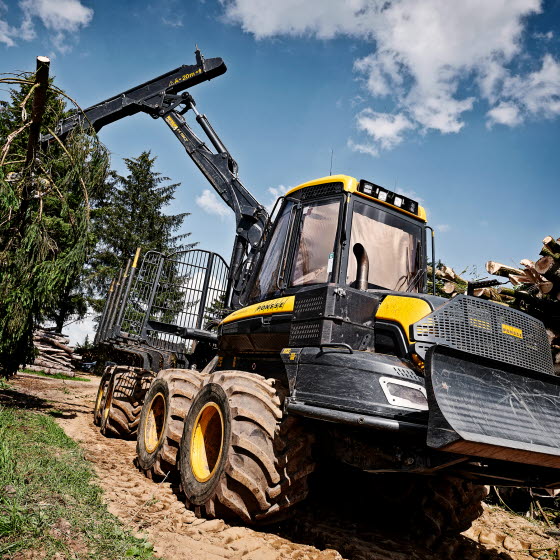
x,y
101,395
161,422
445,506
240,456
123,402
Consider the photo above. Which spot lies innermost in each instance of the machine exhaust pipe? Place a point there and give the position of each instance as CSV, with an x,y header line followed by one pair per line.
x,y
362,261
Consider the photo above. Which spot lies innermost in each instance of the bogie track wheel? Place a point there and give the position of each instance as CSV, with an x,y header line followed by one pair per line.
x,y
240,455
123,401
161,422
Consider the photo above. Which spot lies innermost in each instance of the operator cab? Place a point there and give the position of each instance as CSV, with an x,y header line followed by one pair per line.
x,y
341,230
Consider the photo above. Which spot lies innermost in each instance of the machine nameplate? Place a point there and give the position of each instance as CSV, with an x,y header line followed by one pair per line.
x,y
512,331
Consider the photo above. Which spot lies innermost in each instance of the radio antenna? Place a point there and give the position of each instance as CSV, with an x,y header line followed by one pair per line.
x,y
332,152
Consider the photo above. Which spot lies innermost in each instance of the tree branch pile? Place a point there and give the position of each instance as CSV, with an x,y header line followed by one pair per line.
x,y
536,289
55,354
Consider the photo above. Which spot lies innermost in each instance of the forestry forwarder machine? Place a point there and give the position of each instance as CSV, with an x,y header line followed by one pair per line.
x,y
334,352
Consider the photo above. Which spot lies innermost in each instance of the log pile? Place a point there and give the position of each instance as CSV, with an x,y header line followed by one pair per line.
x,y
536,289
448,282
55,355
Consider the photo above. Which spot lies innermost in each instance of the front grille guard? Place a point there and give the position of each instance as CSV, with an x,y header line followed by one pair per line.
x,y
489,330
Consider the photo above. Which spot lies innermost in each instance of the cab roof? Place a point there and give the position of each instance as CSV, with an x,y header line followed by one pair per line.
x,y
351,185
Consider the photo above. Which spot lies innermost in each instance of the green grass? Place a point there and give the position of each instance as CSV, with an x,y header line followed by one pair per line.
x,y
55,375
49,501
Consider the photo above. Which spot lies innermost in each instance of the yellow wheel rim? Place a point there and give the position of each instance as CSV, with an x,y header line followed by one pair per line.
x,y
108,402
207,442
99,399
155,423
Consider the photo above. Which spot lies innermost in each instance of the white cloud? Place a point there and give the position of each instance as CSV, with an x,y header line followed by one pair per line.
x,y
443,227
62,18
274,194
548,36
385,129
210,203
423,53
537,93
7,33
173,21
363,148
504,113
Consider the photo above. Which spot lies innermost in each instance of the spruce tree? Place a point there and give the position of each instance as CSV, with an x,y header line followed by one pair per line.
x,y
44,216
132,216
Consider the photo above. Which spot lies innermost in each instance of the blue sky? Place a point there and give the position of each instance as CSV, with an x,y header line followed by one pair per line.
x,y
455,104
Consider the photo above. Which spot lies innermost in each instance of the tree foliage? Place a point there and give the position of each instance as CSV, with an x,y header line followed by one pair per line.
x,y
131,216
44,216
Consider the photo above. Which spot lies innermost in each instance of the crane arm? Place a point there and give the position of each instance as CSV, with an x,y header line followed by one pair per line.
x,y
161,98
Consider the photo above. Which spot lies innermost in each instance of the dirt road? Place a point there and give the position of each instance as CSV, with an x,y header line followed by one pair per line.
x,y
319,531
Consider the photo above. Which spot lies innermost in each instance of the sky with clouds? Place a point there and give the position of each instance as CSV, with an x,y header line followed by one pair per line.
x,y
456,104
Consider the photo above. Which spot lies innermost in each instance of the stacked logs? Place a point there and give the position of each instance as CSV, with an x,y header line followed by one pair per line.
x,y
536,289
55,356
448,282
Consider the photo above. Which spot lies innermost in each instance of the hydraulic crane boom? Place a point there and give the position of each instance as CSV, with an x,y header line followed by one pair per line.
x,y
160,98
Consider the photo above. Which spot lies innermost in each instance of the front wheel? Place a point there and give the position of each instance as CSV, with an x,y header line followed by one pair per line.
x,y
446,505
240,456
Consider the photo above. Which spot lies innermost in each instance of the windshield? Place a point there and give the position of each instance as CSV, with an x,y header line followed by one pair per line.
x,y
392,246
267,279
314,257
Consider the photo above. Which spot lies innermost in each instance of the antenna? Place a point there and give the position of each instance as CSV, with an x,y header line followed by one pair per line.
x,y
332,152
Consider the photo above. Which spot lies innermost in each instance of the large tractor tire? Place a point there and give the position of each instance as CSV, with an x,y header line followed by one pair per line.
x,y
123,401
161,421
445,506
102,394
240,456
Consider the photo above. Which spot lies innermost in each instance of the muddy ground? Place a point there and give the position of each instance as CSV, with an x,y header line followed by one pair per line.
x,y
321,528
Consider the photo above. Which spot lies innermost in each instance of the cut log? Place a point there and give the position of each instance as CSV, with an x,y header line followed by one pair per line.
x,y
50,370
518,279
545,287
449,287
546,252
549,268
552,244
499,269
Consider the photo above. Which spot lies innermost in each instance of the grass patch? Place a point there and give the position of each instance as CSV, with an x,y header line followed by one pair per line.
x,y
55,375
48,500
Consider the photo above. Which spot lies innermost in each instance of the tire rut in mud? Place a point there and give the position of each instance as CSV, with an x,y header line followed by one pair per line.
x,y
326,526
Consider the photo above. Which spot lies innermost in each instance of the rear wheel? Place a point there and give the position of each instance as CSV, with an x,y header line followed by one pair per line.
x,y
101,395
123,401
240,456
161,421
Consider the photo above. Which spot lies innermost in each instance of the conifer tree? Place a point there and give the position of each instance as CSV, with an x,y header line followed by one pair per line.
x,y
44,215
132,216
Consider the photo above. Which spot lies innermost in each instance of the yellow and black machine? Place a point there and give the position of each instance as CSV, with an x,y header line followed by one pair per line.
x,y
334,351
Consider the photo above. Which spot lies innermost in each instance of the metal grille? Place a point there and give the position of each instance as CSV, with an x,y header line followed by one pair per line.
x,y
318,191
302,334
186,289
309,306
489,330
407,373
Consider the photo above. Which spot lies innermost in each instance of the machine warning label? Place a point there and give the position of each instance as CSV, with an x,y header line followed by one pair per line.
x,y
185,77
512,331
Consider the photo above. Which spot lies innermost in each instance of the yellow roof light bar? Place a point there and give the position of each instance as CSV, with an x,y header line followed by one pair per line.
x,y
372,191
